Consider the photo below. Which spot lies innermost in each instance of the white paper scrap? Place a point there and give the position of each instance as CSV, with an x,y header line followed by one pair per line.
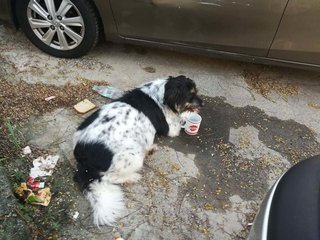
x,y
43,166
26,151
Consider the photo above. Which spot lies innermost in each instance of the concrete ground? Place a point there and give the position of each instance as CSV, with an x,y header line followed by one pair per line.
x,y
257,122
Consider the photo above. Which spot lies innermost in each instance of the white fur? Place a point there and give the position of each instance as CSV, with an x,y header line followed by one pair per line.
x,y
106,200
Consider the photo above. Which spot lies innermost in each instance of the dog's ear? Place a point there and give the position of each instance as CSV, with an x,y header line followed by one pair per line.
x,y
176,92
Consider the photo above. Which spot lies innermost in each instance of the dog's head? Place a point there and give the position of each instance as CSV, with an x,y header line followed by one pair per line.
x,y
181,94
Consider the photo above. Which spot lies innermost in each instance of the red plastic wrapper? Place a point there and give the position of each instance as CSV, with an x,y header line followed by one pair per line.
x,y
33,184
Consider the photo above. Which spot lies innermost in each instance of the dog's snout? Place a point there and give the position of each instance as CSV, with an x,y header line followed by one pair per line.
x,y
199,101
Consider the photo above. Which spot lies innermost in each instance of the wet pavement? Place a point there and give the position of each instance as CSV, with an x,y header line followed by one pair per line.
x,y
257,122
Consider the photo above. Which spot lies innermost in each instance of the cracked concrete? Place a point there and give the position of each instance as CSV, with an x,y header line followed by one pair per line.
x,y
202,187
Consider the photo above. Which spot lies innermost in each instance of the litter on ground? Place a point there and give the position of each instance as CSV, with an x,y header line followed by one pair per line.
x,y
26,151
50,98
33,191
84,106
36,197
43,166
108,92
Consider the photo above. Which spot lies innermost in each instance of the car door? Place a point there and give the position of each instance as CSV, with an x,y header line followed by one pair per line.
x,y
299,33
5,10
241,26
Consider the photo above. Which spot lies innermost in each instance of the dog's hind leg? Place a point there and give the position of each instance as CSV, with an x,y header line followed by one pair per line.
x,y
149,151
125,166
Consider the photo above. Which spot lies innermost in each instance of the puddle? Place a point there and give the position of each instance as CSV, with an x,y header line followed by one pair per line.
x,y
224,171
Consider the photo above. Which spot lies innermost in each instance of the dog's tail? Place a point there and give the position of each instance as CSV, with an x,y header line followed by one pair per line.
x,y
106,200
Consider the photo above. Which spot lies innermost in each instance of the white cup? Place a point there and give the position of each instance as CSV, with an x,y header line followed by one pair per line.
x,y
191,123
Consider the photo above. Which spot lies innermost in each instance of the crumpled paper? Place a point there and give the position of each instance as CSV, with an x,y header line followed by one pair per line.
x,y
26,151
43,166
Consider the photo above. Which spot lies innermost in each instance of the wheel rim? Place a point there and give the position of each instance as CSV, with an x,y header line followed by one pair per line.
x,y
57,23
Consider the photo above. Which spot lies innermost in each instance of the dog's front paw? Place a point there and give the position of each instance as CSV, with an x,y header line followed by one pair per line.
x,y
134,177
174,131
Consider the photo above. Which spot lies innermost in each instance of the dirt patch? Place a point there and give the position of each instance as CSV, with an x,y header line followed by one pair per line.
x,y
149,69
265,85
313,105
19,101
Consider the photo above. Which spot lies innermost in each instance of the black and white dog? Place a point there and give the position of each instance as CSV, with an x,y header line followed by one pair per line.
x,y
110,145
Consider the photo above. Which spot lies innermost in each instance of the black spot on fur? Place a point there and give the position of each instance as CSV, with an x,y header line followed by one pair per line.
x,y
145,104
89,120
92,159
107,119
101,135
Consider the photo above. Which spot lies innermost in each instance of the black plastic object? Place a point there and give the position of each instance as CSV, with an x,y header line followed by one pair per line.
x,y
295,208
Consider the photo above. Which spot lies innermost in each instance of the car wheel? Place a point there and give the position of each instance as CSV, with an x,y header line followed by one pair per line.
x,y
62,28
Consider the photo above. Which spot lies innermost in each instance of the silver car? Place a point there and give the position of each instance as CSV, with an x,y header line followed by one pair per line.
x,y
282,32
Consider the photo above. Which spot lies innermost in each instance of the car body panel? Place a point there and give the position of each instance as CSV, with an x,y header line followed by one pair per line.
x,y
301,55
220,54
5,11
106,16
243,26
298,37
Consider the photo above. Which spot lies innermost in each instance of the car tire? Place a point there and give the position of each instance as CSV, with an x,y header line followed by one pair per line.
x,y
61,28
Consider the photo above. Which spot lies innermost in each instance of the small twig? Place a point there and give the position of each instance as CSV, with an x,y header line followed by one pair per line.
x,y
19,213
182,201
174,178
178,158
130,214
247,89
30,225
221,86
